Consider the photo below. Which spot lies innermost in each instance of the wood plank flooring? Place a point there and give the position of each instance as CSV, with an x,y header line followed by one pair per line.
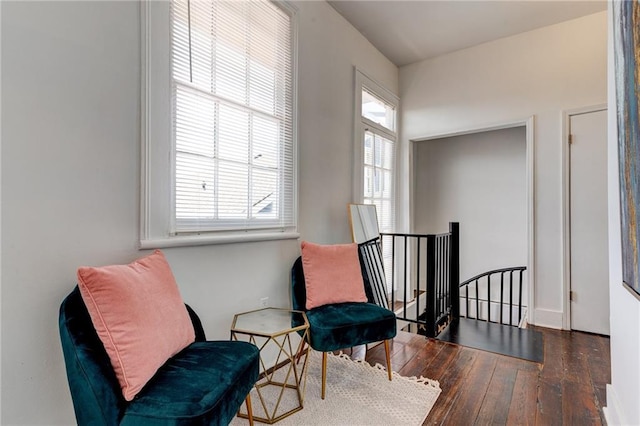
x,y
485,388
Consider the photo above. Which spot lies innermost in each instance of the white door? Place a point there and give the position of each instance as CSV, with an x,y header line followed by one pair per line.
x,y
588,217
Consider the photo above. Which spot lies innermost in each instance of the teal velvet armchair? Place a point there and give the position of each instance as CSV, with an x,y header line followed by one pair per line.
x,y
343,325
204,384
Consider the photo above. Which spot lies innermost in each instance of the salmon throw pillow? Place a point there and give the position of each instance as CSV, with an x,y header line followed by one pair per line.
x,y
332,274
139,316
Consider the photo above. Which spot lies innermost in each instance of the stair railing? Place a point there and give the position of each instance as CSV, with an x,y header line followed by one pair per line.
x,y
509,281
422,284
373,262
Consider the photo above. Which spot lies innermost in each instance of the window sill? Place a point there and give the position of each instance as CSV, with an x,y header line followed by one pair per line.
x,y
209,239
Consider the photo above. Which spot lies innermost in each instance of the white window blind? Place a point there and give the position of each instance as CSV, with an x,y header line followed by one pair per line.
x,y
232,116
379,160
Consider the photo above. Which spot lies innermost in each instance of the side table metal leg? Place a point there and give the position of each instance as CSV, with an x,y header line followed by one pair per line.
x,y
249,409
303,345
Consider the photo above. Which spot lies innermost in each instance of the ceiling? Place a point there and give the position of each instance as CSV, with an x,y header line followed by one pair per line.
x,y
411,31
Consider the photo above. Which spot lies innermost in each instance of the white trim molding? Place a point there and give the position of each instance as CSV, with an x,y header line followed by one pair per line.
x,y
207,239
612,412
547,318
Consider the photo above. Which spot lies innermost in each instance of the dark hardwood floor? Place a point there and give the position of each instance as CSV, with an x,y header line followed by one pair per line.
x,y
484,388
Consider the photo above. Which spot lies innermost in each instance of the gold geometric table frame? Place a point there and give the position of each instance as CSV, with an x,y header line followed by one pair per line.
x,y
270,330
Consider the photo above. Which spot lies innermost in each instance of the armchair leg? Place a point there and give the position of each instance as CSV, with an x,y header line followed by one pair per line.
x,y
249,409
387,352
324,373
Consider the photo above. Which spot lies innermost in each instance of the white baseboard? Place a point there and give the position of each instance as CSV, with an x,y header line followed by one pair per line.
x,y
612,412
548,318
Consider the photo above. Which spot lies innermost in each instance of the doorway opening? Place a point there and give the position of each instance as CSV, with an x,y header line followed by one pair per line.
x,y
482,178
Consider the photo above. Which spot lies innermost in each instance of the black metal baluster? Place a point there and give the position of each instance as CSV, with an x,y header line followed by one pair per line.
x,y
393,274
364,251
418,280
489,298
466,297
449,285
404,310
379,271
383,277
445,287
448,273
511,298
477,302
437,276
520,300
501,295
431,320
442,294
454,269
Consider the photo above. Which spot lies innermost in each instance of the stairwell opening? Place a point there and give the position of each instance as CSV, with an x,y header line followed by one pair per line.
x,y
479,180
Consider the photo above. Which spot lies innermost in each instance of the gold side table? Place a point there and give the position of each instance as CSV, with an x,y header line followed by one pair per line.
x,y
279,334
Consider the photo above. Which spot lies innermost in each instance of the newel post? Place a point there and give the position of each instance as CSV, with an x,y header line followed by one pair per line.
x,y
454,272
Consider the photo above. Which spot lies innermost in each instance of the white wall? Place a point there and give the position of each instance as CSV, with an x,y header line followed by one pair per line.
x,y
541,73
622,394
326,103
70,178
478,180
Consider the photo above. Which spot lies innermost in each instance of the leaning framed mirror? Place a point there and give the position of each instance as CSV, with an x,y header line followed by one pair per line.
x,y
364,222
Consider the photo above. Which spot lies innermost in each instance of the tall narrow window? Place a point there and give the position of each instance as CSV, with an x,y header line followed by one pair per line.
x,y
232,114
378,137
375,166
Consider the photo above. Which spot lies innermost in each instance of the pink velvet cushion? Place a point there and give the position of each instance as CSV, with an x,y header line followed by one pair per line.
x,y
332,274
139,316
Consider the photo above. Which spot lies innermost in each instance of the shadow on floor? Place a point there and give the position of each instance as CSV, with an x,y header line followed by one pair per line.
x,y
517,342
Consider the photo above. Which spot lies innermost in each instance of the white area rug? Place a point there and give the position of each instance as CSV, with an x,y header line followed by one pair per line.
x,y
357,394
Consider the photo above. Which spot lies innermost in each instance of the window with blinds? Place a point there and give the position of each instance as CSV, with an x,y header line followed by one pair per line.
x,y
232,116
377,134
379,158
378,122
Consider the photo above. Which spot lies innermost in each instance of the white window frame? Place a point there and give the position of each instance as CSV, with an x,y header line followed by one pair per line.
x,y
362,124
157,170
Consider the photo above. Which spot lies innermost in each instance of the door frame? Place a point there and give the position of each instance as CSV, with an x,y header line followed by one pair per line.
x,y
566,210
529,125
